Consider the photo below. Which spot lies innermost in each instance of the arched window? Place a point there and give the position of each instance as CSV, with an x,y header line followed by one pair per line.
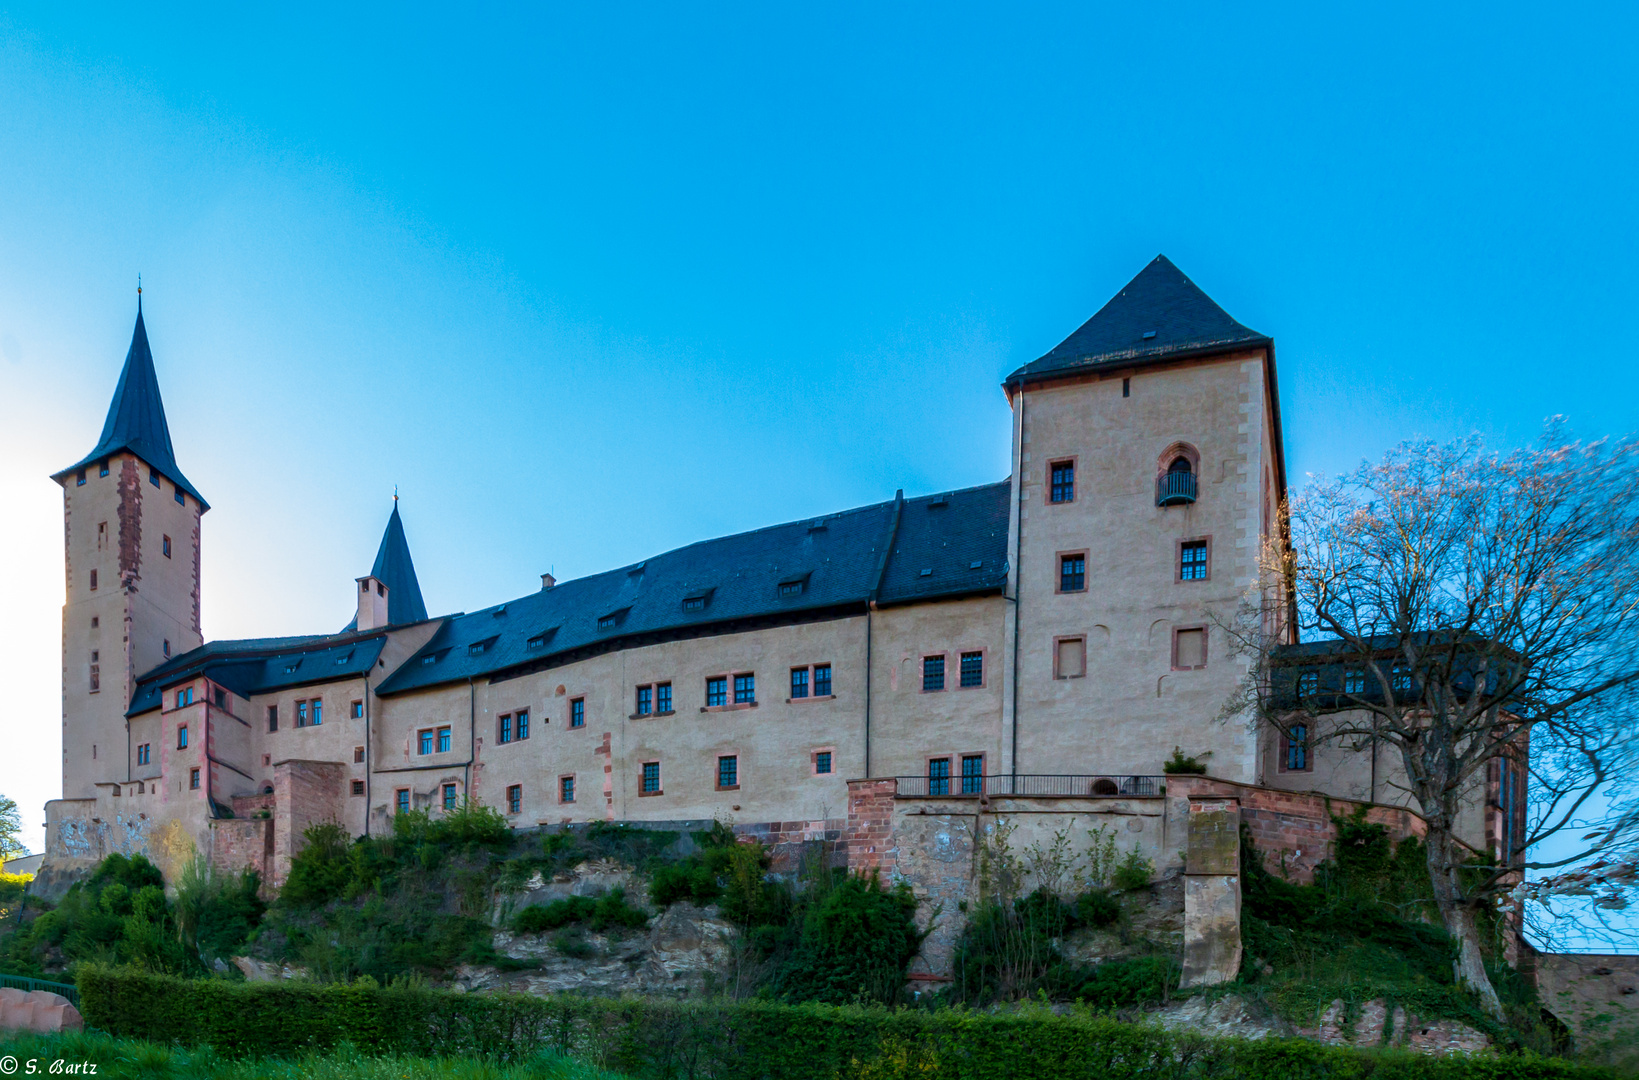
x,y
1175,475
1180,464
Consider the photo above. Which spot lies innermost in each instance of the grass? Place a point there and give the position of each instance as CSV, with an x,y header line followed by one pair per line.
x,y
128,1059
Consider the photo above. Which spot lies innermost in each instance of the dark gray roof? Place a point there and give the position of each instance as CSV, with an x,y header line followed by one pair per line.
x,y
260,665
395,570
1160,314
136,418
803,569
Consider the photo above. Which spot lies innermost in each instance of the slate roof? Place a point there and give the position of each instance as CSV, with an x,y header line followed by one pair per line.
x,y
1177,317
260,665
802,568
136,418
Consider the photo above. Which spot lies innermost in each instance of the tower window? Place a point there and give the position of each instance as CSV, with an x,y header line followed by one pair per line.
x,y
650,784
167,644
153,476
1062,484
1354,681
144,754
645,700
184,696
93,581
939,776
822,680
799,682
1295,749
577,712
102,469
443,740
505,734
663,698
449,796
523,723
745,689
358,787
973,669
1126,388
180,501
102,534
822,762
358,755
515,798
301,714
182,737
79,478
273,718
1072,573
193,779
318,712
1192,560
933,673
716,691
566,789
973,774
401,800
165,545
728,773
358,710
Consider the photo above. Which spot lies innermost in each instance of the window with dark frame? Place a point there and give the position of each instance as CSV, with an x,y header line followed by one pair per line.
x,y
799,682
182,737
792,588
973,669
973,774
193,778
515,798
79,478
144,753
401,800
505,733
358,787
273,718
93,581
165,546
449,796
102,469
577,713
1063,487
822,680
933,675
822,762
425,741
1072,573
153,476
1192,564
358,710
728,771
745,689
358,755
95,673
1297,748
939,776
566,789
651,778
663,698
716,691
645,700
1354,681
177,492
443,740
523,724
318,712
1308,683
1400,677
301,714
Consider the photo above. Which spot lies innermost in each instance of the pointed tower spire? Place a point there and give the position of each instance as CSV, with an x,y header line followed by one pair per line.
x,y
394,569
136,417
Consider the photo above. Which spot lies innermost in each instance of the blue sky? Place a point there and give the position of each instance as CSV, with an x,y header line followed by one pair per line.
x,y
590,282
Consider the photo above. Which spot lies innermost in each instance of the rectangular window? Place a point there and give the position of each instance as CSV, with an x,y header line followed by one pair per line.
x,y
358,755
301,714
180,501
728,772
1308,683
102,469
184,696
566,789
358,787
443,740
716,691
93,581
358,710
1070,658
165,545
973,669
165,647
449,796
1354,681
645,700
318,712
1189,648
1072,573
1400,677
144,754
822,680
663,698
273,718
939,776
102,534
425,741
1192,564
651,778
95,675
220,696
401,800
973,774
799,683
1296,753
182,737
745,689
506,727
1063,482
523,723
577,713
514,798
153,476
79,478
193,779
933,674
822,763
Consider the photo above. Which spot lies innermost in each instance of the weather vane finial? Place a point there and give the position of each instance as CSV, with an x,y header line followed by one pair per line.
x,y
139,292
395,493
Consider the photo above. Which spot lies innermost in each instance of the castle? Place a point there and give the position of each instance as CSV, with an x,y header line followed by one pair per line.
x,y
1053,635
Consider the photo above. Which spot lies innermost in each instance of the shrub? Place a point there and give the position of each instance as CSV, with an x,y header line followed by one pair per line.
x,y
1096,908
1178,763
855,944
660,1038
604,913
323,869
1134,872
1120,983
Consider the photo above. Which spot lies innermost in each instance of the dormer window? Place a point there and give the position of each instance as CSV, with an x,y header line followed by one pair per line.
x,y
697,601
479,648
343,659
794,588
539,640
613,619
290,668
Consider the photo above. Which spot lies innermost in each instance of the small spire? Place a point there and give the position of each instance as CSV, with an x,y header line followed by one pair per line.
x,y
139,292
395,493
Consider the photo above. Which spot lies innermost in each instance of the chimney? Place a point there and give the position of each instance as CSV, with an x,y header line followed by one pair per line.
x,y
547,581
372,603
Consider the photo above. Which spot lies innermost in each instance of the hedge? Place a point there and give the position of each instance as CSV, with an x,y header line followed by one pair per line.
x,y
726,1040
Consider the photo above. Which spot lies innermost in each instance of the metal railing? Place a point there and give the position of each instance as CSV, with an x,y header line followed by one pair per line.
x,y
1031,786
1174,489
18,982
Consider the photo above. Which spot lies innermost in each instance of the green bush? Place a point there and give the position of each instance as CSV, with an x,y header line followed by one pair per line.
x,y
603,913
1178,763
855,943
1133,872
1097,908
657,1039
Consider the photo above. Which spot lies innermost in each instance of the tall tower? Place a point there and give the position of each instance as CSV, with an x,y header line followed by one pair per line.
x,y
131,553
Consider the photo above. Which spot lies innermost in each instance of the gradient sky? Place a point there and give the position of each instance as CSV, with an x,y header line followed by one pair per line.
x,y
593,281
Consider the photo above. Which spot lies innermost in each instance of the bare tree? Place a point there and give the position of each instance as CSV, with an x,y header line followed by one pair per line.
x,y
1474,617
